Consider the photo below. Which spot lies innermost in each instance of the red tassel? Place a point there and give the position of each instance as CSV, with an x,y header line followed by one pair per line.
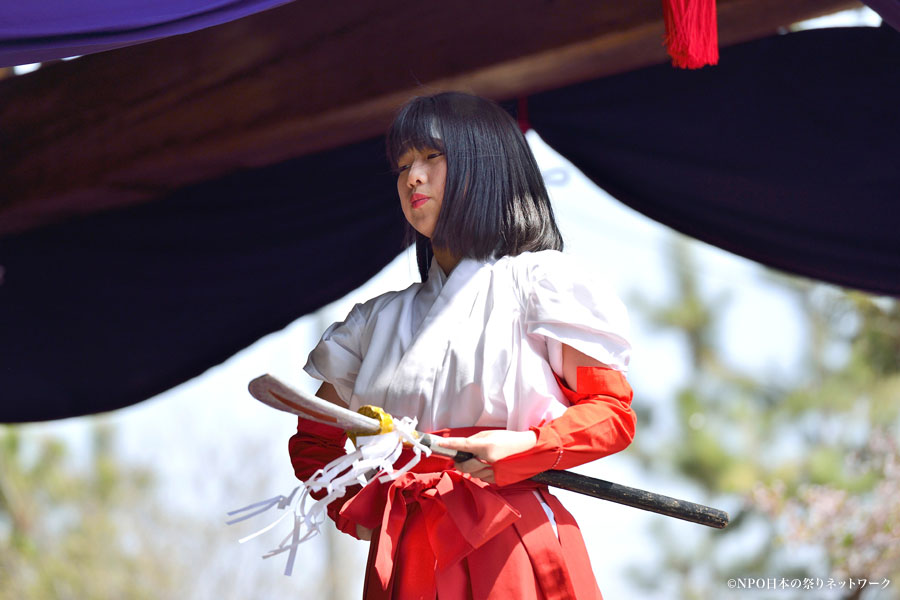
x,y
522,114
691,34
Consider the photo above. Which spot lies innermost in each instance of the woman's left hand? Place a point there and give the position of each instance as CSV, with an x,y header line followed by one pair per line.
x,y
489,447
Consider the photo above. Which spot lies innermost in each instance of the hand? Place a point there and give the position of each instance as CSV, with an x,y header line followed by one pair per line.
x,y
489,447
363,533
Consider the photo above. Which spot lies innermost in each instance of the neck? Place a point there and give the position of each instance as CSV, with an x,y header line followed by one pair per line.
x,y
446,261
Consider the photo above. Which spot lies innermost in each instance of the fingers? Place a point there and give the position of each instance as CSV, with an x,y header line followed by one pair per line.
x,y
455,443
493,445
363,533
471,466
460,445
487,477
486,474
477,468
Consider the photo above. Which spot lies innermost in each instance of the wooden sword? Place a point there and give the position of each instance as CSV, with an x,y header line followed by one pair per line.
x,y
269,390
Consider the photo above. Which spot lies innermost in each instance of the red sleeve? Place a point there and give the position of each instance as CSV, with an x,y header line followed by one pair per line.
x,y
311,448
598,422
314,446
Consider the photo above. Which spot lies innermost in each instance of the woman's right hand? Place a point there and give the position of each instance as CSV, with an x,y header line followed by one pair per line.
x,y
489,447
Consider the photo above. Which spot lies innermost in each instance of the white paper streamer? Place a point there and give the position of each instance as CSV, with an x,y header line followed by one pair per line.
x,y
374,457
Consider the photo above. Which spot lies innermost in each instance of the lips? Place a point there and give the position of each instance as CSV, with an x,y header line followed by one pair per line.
x,y
418,200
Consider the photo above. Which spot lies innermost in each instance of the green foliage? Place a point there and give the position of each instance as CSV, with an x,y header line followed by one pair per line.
x,y
68,531
766,445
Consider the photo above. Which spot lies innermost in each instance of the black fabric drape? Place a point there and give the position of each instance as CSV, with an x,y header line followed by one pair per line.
x,y
889,10
108,310
786,153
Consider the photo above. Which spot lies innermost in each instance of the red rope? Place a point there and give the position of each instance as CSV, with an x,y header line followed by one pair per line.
x,y
522,114
691,35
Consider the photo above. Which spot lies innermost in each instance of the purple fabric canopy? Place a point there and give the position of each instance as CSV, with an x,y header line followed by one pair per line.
x,y
786,153
41,30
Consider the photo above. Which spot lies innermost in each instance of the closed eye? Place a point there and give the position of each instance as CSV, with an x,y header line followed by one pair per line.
x,y
435,155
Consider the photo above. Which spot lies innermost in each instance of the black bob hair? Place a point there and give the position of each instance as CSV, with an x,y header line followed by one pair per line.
x,y
495,203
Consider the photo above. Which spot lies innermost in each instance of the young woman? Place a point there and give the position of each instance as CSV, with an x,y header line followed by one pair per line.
x,y
507,348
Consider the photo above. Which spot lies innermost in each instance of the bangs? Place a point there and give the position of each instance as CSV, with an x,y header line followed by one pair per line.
x,y
417,127
495,202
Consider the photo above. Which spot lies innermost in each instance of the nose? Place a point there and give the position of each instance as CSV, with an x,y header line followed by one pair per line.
x,y
416,175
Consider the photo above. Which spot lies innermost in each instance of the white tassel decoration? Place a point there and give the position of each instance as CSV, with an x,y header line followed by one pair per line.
x,y
374,457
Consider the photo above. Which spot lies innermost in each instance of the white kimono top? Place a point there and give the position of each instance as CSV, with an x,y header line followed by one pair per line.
x,y
477,348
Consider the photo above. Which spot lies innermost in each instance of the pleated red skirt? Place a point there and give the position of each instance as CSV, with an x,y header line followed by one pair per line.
x,y
438,533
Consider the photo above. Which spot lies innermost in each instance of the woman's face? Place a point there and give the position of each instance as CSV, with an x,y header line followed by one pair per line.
x,y
420,183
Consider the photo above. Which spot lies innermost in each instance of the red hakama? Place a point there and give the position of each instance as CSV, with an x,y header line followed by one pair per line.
x,y
439,533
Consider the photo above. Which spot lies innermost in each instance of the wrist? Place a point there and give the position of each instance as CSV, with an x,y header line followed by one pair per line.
x,y
529,439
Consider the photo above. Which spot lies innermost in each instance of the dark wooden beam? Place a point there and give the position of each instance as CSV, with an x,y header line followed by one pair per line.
x,y
130,125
